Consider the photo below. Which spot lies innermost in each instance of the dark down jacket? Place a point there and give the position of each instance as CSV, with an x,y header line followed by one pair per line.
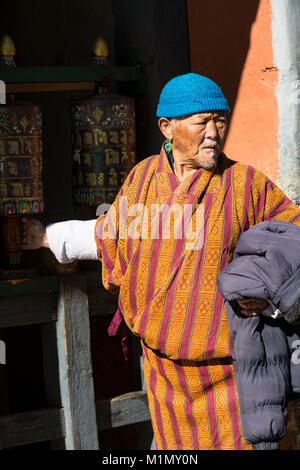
x,y
266,360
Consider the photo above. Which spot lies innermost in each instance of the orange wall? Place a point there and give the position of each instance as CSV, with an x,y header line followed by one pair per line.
x,y
246,74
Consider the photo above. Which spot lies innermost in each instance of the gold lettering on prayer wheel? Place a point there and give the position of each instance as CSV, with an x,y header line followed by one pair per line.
x,y
21,189
103,135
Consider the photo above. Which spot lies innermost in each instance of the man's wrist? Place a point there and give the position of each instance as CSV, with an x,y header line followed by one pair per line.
x,y
45,242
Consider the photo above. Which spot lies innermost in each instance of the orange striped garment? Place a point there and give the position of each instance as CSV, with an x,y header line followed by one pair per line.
x,y
168,294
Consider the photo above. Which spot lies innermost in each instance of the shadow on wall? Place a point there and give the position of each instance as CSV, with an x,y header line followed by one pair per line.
x,y
219,37
152,33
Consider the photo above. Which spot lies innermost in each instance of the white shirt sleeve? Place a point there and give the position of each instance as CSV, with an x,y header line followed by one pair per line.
x,y
72,240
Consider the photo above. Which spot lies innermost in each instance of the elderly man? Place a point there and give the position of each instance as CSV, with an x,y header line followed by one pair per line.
x,y
168,294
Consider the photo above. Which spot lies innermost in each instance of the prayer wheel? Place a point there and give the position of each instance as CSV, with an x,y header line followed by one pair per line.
x,y
21,189
103,139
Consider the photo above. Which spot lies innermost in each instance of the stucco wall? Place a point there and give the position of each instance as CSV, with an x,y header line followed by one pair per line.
x,y
286,50
233,46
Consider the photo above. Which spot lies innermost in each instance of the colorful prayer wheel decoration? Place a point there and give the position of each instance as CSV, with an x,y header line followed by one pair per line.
x,y
103,134
21,189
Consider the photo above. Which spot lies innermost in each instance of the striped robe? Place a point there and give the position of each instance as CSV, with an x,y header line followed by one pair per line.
x,y
168,293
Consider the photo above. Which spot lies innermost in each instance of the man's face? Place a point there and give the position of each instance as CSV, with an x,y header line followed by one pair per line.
x,y
199,138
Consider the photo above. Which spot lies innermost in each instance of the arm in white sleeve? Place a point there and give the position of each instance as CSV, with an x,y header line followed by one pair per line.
x,y
72,240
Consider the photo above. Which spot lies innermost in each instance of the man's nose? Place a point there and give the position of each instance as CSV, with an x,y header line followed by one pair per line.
x,y
211,131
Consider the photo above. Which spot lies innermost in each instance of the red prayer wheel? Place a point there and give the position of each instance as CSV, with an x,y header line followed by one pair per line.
x,y
103,140
21,189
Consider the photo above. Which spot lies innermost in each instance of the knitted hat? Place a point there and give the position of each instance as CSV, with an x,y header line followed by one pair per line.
x,y
188,94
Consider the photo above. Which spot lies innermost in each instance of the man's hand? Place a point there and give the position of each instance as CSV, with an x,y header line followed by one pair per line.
x,y
33,234
252,307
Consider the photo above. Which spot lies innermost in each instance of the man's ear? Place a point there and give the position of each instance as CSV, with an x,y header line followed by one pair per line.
x,y
166,126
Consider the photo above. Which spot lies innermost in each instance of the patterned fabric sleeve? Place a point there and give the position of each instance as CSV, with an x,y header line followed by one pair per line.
x,y
107,236
270,203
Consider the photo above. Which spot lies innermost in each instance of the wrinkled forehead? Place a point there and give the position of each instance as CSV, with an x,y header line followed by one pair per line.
x,y
205,116
208,114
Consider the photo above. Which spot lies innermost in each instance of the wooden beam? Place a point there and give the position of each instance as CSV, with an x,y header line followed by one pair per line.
x,y
49,424
36,285
28,309
125,409
45,87
33,426
70,74
75,366
31,309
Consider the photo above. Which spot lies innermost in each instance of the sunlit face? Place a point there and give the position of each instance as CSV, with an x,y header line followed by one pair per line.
x,y
199,138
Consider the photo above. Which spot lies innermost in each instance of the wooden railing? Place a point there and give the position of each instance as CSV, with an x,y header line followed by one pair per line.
x,y
62,305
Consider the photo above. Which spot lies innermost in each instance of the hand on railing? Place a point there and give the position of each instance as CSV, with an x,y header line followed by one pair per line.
x,y
33,234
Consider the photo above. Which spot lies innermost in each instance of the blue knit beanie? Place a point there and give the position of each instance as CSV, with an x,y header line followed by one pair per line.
x,y
188,94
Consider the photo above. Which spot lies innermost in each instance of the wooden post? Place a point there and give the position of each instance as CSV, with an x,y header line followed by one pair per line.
x,y
51,373
75,368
